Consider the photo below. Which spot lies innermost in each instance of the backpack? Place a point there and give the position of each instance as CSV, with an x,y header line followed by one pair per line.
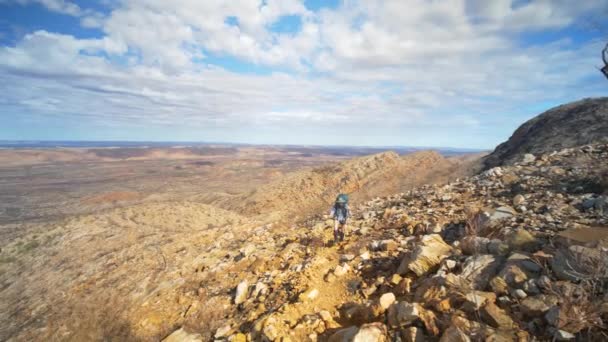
x,y
342,198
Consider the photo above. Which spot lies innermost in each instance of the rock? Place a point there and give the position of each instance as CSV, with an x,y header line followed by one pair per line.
x,y
528,158
180,335
403,287
260,288
403,313
240,337
496,317
499,285
412,334
472,245
454,334
513,275
498,247
544,283
341,270
309,295
493,172
553,316
450,264
522,240
247,250
478,269
371,332
429,252
344,335
365,255
223,331
475,300
562,335
388,245
386,300
367,292
535,306
364,230
346,257
326,316
530,287
271,332
503,212
395,279
241,292
520,294
518,200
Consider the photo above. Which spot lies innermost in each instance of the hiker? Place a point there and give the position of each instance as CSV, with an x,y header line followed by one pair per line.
x,y
340,213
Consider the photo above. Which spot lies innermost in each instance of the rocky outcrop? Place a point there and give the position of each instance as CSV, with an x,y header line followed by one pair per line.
x,y
569,125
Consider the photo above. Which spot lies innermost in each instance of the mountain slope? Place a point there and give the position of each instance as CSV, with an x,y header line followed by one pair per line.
x,y
362,178
569,125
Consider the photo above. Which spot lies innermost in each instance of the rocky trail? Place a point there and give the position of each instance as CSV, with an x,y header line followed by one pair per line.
x,y
516,253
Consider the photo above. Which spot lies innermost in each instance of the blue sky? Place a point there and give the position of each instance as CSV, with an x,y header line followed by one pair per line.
x,y
461,73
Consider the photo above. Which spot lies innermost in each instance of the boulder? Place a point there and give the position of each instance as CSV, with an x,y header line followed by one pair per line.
x,y
496,317
503,212
344,335
522,240
403,313
472,245
475,300
479,269
537,306
498,247
454,334
386,300
429,252
520,294
371,332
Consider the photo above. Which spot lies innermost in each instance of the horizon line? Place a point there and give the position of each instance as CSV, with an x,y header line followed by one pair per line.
x,y
34,141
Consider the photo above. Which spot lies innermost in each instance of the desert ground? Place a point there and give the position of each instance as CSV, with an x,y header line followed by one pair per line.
x,y
100,243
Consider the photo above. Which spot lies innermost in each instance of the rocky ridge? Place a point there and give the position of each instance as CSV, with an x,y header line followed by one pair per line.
x,y
516,253
569,125
375,174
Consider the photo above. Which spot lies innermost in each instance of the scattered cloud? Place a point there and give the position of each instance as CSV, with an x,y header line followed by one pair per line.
x,y
244,65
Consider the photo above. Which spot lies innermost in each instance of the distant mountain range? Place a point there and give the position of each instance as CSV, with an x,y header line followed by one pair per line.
x,y
333,150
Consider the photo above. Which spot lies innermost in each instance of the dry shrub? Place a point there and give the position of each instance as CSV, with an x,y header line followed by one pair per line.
x,y
579,310
476,222
99,319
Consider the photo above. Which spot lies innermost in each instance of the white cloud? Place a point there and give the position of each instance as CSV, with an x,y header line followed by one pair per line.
x,y
395,63
59,6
